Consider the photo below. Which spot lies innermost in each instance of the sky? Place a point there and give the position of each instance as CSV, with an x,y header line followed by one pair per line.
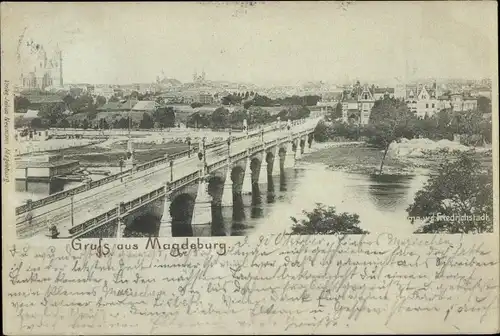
x,y
264,43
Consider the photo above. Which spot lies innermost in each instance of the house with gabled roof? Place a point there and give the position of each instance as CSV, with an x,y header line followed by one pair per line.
x,y
366,101
357,105
145,106
427,102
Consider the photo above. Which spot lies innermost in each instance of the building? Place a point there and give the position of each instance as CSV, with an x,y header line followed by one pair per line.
x,y
427,103
145,106
461,103
40,70
104,91
365,101
380,93
44,167
204,98
350,111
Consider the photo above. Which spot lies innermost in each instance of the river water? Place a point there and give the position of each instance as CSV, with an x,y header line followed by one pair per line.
x,y
379,200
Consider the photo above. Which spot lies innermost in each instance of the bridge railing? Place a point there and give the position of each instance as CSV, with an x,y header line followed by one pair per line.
x,y
94,184
94,222
182,181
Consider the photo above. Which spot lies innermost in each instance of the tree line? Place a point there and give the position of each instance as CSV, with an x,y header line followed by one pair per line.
x,y
221,117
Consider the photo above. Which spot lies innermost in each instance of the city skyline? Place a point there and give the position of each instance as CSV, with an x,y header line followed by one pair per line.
x,y
328,41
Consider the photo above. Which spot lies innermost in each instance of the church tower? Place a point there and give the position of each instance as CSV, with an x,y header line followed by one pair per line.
x,y
57,68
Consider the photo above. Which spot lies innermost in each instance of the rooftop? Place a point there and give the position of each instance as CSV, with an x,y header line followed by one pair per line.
x,y
37,164
38,99
145,105
118,106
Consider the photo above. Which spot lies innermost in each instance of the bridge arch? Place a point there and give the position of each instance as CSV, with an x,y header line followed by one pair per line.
x,y
144,225
181,211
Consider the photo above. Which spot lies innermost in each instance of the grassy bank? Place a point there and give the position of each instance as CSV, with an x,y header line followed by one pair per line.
x,y
361,158
95,156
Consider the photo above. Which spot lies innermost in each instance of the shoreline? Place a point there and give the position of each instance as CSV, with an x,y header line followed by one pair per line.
x,y
359,157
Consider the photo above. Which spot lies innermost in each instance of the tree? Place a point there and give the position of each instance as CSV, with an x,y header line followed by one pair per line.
x,y
113,99
198,120
220,118
231,99
484,105
134,95
103,124
294,112
123,123
68,100
326,221
258,115
321,132
486,130
164,116
146,122
160,101
64,123
21,103
389,120
196,104
337,113
75,124
85,124
247,104
36,123
100,101
82,104
53,113
91,112
264,101
236,118
458,199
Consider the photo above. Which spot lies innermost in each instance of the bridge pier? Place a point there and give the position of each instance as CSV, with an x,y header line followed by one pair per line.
x,y
305,150
298,154
246,188
276,162
263,171
165,229
227,193
120,228
202,212
290,155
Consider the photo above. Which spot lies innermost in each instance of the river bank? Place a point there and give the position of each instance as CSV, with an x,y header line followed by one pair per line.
x,y
359,157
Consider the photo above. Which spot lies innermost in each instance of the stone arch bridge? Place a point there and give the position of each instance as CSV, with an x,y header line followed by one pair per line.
x,y
179,190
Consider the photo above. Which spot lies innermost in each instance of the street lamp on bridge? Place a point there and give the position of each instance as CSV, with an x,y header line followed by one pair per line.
x,y
229,144
202,153
171,170
245,127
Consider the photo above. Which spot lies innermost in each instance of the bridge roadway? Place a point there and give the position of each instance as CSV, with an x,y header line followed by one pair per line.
x,y
89,204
